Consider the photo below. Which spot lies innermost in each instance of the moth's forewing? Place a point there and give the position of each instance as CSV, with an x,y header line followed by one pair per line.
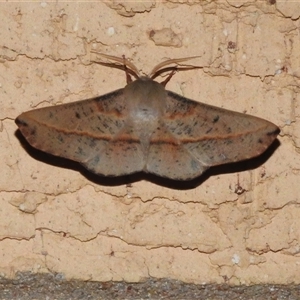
x,y
86,131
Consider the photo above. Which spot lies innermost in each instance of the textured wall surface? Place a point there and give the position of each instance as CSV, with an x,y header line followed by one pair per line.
x,y
236,224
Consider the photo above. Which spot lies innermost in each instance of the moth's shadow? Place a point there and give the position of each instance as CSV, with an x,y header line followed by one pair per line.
x,y
129,179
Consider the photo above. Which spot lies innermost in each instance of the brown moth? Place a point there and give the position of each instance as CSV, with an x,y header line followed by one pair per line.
x,y
144,127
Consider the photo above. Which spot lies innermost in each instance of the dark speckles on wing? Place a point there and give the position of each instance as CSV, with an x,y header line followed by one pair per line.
x,y
60,139
92,143
33,131
208,130
228,142
80,152
215,119
109,102
228,130
180,107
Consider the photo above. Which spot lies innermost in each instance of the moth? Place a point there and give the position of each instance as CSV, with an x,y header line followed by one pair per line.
x,y
144,127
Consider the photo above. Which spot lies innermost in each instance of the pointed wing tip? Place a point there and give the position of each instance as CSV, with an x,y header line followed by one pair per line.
x,y
271,134
20,122
274,132
266,140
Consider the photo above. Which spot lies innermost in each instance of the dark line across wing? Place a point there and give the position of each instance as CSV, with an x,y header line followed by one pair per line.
x,y
153,141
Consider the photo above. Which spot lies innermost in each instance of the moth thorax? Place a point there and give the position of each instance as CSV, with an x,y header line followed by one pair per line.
x,y
146,99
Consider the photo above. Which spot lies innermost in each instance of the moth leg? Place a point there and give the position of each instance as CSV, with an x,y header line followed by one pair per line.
x,y
164,83
128,77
